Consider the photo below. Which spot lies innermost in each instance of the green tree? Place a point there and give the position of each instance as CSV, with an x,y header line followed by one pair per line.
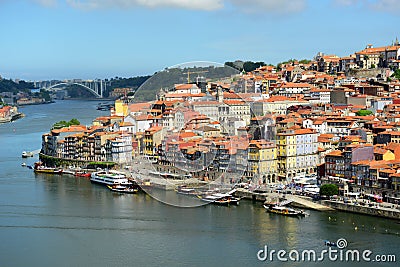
x,y
74,122
249,66
62,124
328,190
396,74
363,112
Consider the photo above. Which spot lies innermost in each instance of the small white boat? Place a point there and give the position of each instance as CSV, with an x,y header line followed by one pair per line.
x,y
220,199
123,189
26,154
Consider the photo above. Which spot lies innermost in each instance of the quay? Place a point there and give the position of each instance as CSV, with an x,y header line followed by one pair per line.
x,y
379,210
269,196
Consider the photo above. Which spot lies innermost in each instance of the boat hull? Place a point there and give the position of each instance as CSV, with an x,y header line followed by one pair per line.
x,y
281,210
123,190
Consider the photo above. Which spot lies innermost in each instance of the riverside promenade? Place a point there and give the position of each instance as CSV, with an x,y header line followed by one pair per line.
x,y
385,210
141,170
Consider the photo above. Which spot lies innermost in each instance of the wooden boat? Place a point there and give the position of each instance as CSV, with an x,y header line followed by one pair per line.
x,y
283,210
49,170
123,189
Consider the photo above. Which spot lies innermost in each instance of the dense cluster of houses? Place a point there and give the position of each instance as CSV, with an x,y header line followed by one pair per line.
x,y
269,125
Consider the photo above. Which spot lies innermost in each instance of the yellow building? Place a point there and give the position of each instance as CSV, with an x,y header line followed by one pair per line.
x,y
297,153
121,108
152,139
262,161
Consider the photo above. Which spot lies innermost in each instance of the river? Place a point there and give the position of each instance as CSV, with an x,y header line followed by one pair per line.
x,y
49,220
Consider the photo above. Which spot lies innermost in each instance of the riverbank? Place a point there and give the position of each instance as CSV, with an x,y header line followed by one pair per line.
x,y
384,210
150,174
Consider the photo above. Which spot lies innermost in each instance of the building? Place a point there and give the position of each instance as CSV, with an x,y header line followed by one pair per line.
x,y
262,161
297,152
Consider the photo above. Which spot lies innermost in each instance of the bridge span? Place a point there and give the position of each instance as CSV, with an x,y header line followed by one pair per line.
x,y
97,87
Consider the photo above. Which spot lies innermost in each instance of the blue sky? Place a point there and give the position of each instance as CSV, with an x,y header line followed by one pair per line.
x,y
88,39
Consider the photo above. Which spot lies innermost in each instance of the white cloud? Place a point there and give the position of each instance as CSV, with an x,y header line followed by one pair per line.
x,y
392,6
270,6
247,6
347,2
206,5
46,3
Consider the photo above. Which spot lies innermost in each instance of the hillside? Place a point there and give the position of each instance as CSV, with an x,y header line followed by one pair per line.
x,y
168,77
11,86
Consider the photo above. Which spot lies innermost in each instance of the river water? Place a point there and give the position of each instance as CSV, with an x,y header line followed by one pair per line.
x,y
48,220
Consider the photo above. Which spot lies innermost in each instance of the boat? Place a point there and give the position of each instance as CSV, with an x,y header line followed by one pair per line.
x,y
283,210
220,199
123,189
82,174
26,154
109,178
330,243
187,191
39,168
23,164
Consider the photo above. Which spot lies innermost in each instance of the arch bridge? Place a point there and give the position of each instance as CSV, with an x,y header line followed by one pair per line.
x,y
96,87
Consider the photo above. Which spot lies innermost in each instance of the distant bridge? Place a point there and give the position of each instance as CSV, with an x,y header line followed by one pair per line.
x,y
96,87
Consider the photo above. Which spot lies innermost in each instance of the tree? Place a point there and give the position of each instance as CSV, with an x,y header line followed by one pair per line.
x,y
249,66
328,190
363,112
396,74
74,122
62,124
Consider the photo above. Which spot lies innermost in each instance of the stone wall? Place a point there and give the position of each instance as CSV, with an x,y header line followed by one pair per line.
x,y
379,212
368,73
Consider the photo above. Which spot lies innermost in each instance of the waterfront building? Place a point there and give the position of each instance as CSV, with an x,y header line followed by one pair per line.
x,y
297,152
152,139
119,149
262,161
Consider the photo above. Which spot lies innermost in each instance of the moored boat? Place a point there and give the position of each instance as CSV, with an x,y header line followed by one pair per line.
x,y
109,178
123,189
82,174
39,168
283,210
187,191
220,199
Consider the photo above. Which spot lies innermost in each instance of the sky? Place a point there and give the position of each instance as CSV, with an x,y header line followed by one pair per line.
x,y
98,39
